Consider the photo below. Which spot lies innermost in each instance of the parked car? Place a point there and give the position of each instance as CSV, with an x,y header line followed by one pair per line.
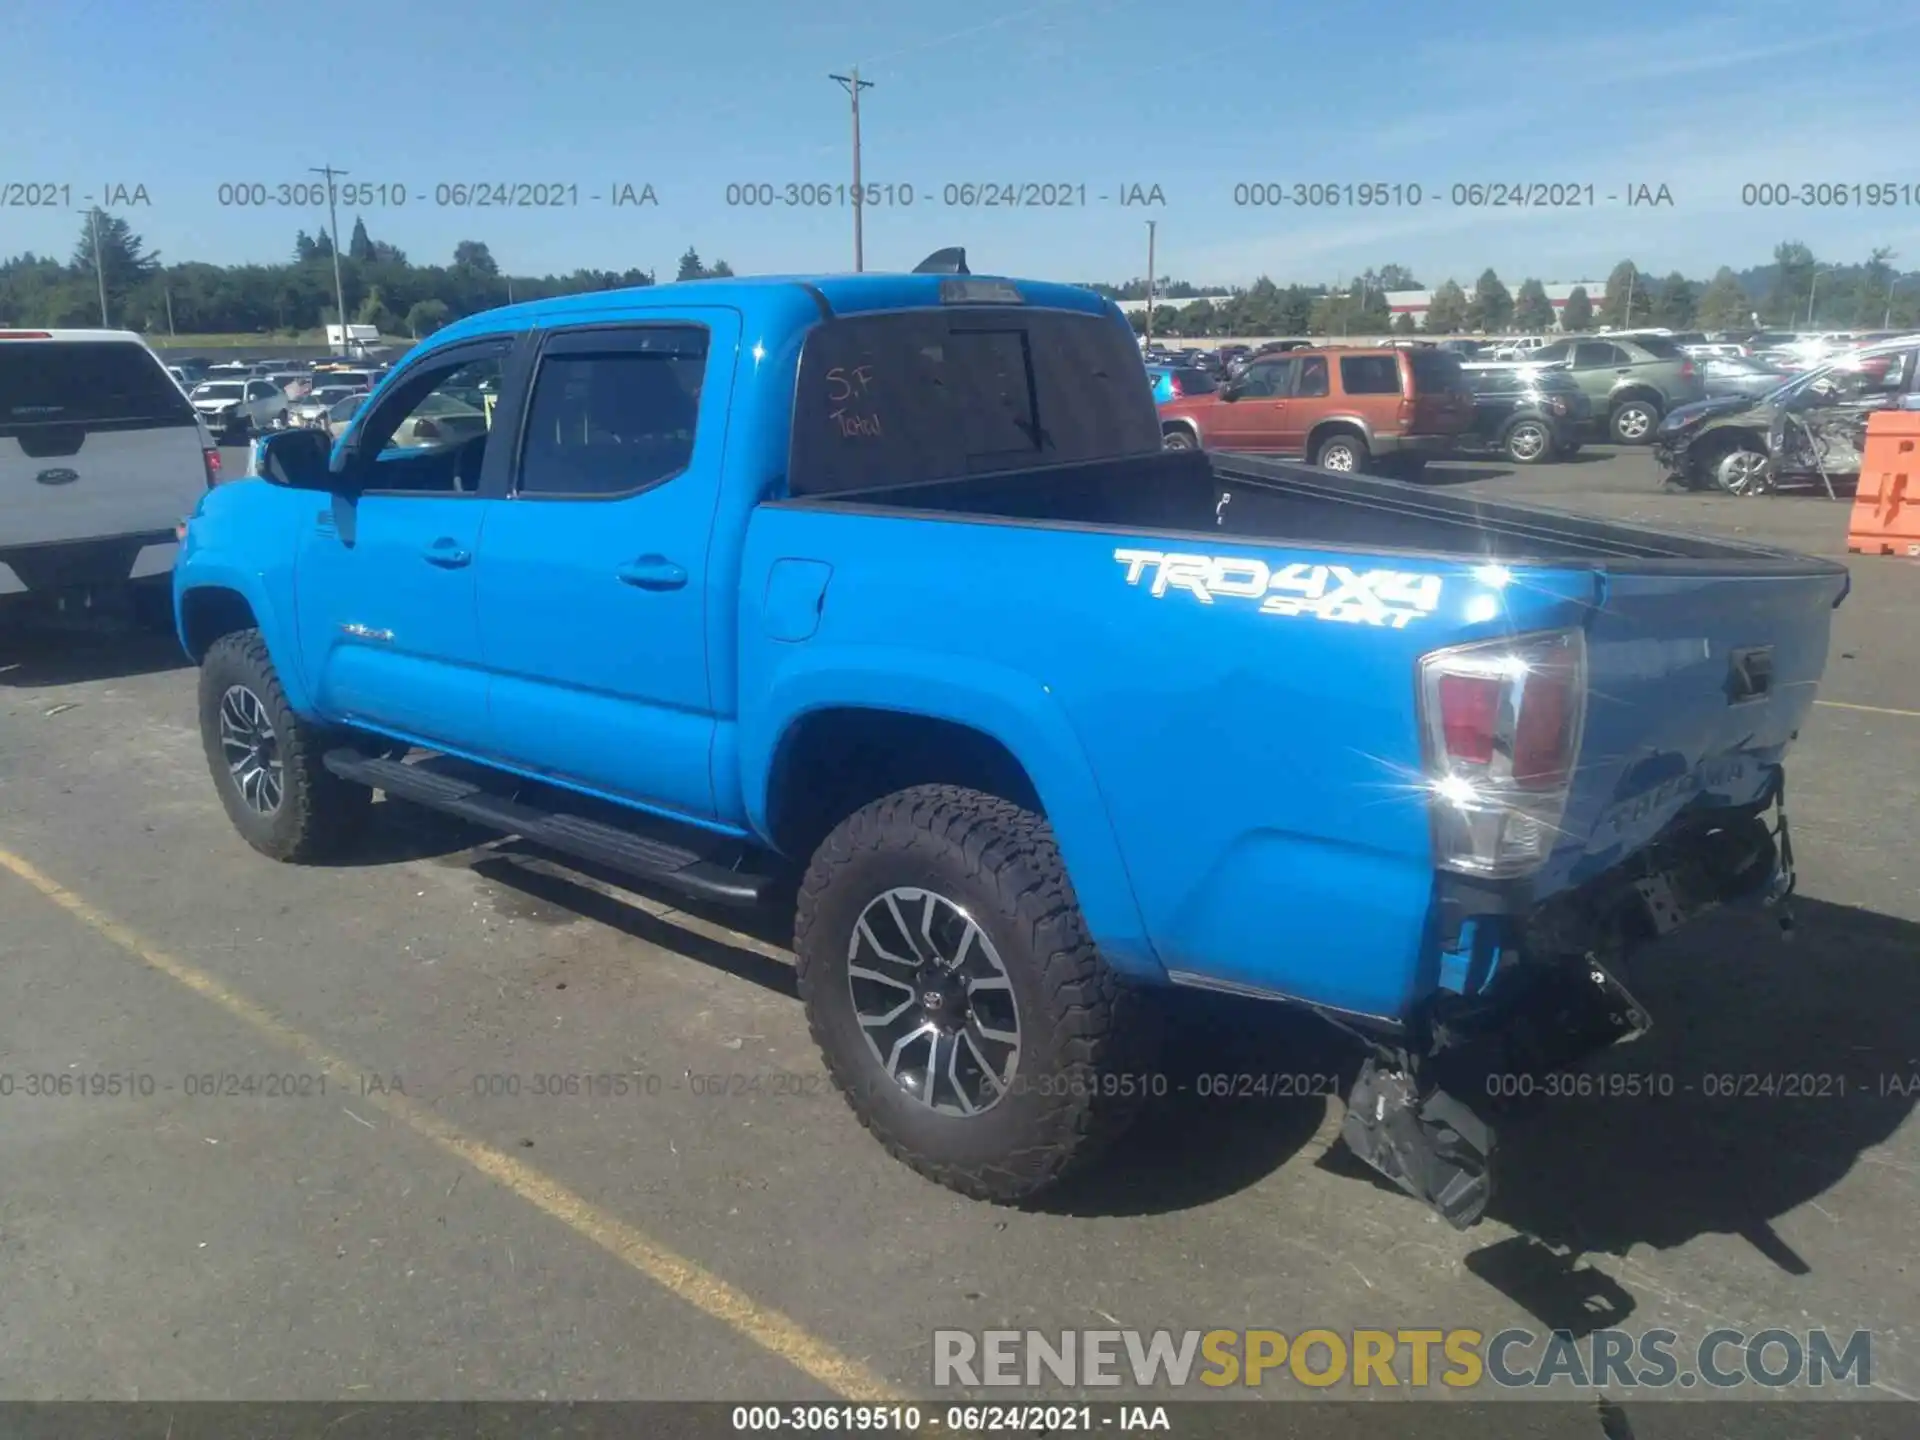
x,y
101,459
239,408
441,420
1020,820
1738,375
1467,350
1379,408
1813,424
312,409
1631,383
1517,347
340,416
1171,382
1527,415
180,378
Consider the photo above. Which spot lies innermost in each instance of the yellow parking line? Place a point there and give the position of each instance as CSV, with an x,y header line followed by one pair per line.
x,y
1869,709
700,1288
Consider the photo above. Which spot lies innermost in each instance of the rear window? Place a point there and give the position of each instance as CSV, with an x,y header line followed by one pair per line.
x,y
1195,382
86,383
1435,370
926,395
1370,374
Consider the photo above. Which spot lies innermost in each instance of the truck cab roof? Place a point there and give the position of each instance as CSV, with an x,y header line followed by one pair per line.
x,y
782,300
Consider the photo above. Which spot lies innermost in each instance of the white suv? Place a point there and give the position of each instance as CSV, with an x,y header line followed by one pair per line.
x,y
101,459
240,408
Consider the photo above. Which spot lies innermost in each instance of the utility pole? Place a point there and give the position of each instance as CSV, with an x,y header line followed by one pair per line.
x,y
99,265
170,331
1152,225
1633,274
854,85
333,238
1886,318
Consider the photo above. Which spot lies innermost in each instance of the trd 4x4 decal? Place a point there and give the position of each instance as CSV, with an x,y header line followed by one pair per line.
x,y
1327,592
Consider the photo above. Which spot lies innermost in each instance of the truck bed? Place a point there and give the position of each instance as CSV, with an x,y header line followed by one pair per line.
x,y
1283,502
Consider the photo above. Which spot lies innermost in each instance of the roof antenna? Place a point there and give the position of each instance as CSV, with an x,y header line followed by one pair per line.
x,y
951,261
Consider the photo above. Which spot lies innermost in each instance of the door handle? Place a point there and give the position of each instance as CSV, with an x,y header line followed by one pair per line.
x,y
446,554
652,572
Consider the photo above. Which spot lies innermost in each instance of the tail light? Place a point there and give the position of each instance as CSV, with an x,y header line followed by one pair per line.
x,y
1174,387
1687,370
1502,722
210,458
1406,409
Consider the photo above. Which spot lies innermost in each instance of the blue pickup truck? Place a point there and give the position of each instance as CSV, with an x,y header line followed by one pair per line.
x,y
880,591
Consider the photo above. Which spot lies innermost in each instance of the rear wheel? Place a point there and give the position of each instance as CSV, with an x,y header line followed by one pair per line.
x,y
266,760
1633,421
957,998
1528,442
1343,452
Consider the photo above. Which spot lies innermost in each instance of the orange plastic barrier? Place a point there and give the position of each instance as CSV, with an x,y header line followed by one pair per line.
x,y
1886,508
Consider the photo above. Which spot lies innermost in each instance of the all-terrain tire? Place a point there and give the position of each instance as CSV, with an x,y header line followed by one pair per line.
x,y
317,813
1087,1036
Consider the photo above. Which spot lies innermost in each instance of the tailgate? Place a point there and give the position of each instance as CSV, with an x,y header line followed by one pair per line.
x,y
1696,686
96,441
63,483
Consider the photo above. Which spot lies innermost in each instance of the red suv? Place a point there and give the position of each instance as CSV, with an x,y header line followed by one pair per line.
x,y
1385,410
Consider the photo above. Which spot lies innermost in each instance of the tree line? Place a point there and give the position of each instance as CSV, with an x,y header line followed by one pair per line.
x,y
384,288
1796,290
381,286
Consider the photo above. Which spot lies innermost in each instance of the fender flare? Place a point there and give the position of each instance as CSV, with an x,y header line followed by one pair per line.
x,y
1011,707
201,572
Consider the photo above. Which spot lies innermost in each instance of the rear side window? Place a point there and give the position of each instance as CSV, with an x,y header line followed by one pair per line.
x,y
1658,346
1434,371
616,420
103,382
926,395
1370,374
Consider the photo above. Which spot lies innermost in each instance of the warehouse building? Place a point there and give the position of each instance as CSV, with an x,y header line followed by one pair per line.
x,y
1415,302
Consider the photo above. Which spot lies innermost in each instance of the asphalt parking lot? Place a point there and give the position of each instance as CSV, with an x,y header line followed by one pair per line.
x,y
395,1228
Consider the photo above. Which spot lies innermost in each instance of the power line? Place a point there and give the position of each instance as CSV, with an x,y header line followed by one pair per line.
x,y
333,219
854,85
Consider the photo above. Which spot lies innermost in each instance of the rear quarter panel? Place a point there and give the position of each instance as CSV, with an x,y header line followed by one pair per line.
x,y
1234,790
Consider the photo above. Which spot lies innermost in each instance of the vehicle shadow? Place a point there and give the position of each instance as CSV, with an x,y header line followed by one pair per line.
x,y
40,654
1773,1065
1455,472
1247,1086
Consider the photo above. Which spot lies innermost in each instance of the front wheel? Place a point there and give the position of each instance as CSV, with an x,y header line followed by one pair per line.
x,y
1741,472
266,760
1177,440
1344,453
957,998
1633,422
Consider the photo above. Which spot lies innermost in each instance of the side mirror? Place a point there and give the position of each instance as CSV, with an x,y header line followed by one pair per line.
x,y
1232,390
296,458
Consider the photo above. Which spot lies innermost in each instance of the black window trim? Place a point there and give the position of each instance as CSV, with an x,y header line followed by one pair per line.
x,y
504,345
609,337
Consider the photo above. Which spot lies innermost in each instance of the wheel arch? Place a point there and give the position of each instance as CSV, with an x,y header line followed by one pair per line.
x,y
1325,430
938,719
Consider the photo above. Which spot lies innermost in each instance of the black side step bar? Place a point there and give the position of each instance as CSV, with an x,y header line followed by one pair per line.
x,y
700,873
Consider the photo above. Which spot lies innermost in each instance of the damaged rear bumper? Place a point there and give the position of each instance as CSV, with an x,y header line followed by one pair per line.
x,y
1419,1112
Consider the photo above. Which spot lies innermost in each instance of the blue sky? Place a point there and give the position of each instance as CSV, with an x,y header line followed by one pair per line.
x,y
1102,93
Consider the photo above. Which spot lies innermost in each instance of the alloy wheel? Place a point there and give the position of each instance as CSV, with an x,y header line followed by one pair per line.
x,y
934,1001
251,748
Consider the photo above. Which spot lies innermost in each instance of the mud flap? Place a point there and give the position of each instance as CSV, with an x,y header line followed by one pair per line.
x,y
1433,1147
